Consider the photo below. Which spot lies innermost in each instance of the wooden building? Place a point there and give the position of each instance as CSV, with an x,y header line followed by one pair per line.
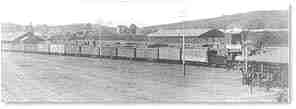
x,y
213,38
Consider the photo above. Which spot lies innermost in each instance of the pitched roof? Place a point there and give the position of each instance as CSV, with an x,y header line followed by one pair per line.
x,y
179,32
28,38
212,33
11,36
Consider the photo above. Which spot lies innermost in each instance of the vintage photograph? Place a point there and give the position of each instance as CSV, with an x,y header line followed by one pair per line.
x,y
145,51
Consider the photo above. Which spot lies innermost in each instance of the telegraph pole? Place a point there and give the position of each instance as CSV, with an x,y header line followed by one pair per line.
x,y
182,31
183,48
245,55
244,52
100,38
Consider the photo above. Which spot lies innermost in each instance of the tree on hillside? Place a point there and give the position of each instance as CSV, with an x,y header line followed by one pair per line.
x,y
255,24
122,29
133,29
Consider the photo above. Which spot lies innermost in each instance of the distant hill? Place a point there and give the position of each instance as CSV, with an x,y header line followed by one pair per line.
x,y
252,20
10,29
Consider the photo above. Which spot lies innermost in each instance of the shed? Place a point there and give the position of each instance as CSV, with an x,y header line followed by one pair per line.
x,y
265,37
271,55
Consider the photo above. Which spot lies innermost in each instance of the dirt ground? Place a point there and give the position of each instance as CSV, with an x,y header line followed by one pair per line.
x,y
49,78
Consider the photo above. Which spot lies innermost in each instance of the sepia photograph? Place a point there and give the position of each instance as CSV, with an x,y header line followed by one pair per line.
x,y
146,51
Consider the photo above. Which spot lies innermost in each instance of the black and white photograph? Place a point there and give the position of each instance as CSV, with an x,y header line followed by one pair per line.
x,y
146,51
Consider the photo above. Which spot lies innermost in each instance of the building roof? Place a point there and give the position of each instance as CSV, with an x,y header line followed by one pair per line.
x,y
213,33
179,32
10,36
28,38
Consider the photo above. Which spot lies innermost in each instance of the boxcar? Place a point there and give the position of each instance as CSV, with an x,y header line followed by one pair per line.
x,y
18,47
57,49
196,54
30,48
89,51
6,46
147,53
217,60
108,51
72,49
126,52
43,48
169,53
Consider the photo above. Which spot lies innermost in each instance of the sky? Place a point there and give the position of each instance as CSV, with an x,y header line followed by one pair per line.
x,y
125,12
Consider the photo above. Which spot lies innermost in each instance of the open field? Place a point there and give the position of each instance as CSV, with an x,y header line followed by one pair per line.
x,y
50,78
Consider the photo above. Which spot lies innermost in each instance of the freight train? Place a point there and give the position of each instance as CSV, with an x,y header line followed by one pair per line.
x,y
277,73
162,54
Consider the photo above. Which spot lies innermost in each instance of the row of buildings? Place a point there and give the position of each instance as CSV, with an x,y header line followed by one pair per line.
x,y
213,38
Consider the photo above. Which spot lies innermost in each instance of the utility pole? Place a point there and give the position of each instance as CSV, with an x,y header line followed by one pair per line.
x,y
183,44
101,37
100,34
183,12
245,55
244,49
183,49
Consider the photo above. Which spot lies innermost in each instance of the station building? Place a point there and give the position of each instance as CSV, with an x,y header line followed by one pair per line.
x,y
213,38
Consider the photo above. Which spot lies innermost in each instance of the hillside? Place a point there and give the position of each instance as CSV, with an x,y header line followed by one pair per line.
x,y
14,28
252,20
10,30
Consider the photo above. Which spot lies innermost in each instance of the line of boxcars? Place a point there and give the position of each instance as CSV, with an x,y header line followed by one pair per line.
x,y
202,55
167,54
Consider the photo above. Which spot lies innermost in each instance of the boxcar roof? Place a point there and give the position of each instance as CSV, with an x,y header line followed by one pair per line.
x,y
179,33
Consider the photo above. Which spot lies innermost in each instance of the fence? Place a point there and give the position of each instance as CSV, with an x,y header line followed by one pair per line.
x,y
267,74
